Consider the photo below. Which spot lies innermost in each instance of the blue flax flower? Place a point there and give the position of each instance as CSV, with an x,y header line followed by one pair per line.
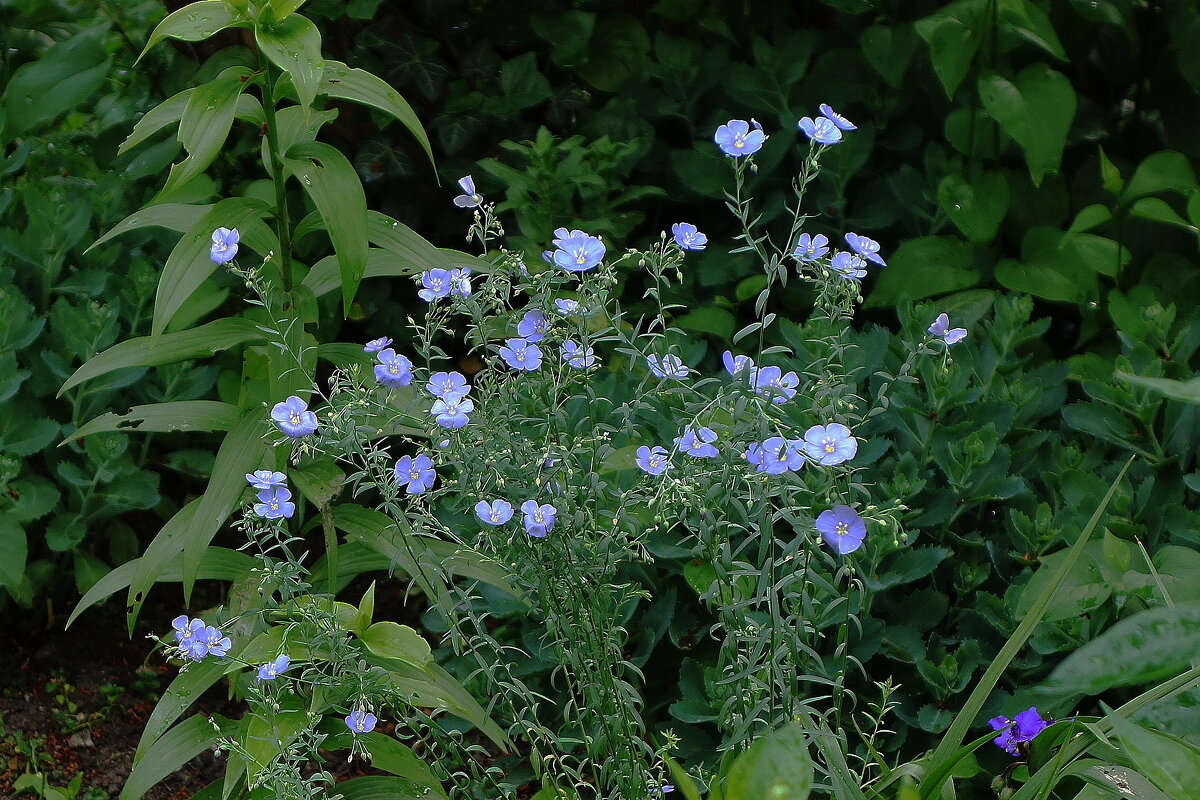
x,y
452,412
435,283
393,370
698,443
577,252
361,721
829,444
810,248
496,512
567,307
1018,730
533,326
842,529
848,265
669,366
821,130
275,503
941,329
272,670
736,139
375,345
469,198
539,520
775,455
204,641
460,281
416,475
578,356
447,385
186,630
774,382
687,237
265,479
293,417
653,460
521,355
224,245
737,366
836,118
867,248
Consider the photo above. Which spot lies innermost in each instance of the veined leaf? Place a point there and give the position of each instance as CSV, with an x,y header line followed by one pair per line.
x,y
167,112
184,690
343,82
183,415
174,216
204,127
177,747
196,22
150,351
294,45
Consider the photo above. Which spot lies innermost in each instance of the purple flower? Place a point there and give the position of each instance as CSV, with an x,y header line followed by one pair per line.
x,y
447,385
775,455
942,330
1024,727
436,283
539,520
469,198
452,412
578,356
810,248
842,529
272,670
460,281
496,512
393,370
186,630
867,248
822,130
664,789
737,365
361,721
375,345
265,479
567,307
416,475
205,640
829,444
687,237
533,326
577,252
653,460
293,417
224,245
736,139
669,366
836,118
274,503
521,355
848,265
772,381
698,443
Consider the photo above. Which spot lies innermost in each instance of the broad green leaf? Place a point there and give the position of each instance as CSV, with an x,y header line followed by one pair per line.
x,y
1089,217
294,45
922,267
619,49
1030,22
777,766
189,264
324,276
281,8
390,640
682,780
1110,176
717,321
334,187
62,78
172,750
319,481
1184,391
174,216
339,80
14,550
182,415
383,787
204,127
889,48
978,208
389,755
1146,647
196,22
150,351
1172,766
433,687
241,451
953,34
1164,171
1158,210
1036,110
1041,280
269,734
166,113
293,127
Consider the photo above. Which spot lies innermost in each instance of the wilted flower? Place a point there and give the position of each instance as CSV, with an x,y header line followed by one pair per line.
x,y
469,198
836,118
821,130
496,512
654,461
361,721
577,252
521,355
375,345
687,237
578,356
533,326
393,370
539,520
669,366
830,444
224,245
566,306
265,479
416,475
435,283
941,329
293,417
867,248
736,139
272,670
274,503
460,281
842,529
810,248
698,443
1024,727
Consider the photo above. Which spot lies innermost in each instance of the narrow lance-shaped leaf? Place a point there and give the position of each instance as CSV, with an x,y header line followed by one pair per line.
x,y
204,127
166,113
334,187
196,22
182,415
174,216
180,745
345,83
294,45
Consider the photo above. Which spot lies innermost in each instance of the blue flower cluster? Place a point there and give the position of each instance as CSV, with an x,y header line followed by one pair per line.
x,y
1017,731
196,640
538,518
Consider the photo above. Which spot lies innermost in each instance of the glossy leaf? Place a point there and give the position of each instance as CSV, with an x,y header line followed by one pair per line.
x,y
196,22
174,216
976,208
185,689
345,83
168,112
205,124
1036,110
390,640
953,34
1172,766
294,45
1164,171
778,766
922,267
62,78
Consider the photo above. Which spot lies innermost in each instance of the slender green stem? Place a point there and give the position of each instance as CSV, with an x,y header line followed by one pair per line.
x,y
283,225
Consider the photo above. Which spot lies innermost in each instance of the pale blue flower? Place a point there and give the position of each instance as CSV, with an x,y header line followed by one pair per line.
x,y
578,356
452,412
810,248
206,641
653,460
836,118
687,237
830,444
736,139
697,443
737,366
416,475
867,248
469,198
274,503
496,512
361,721
773,382
577,252
821,130
533,326
942,330
669,366
224,245
848,265
776,455
538,519
567,307
393,370
521,355
460,281
293,417
842,529
435,283
265,479
375,345
273,669
446,385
